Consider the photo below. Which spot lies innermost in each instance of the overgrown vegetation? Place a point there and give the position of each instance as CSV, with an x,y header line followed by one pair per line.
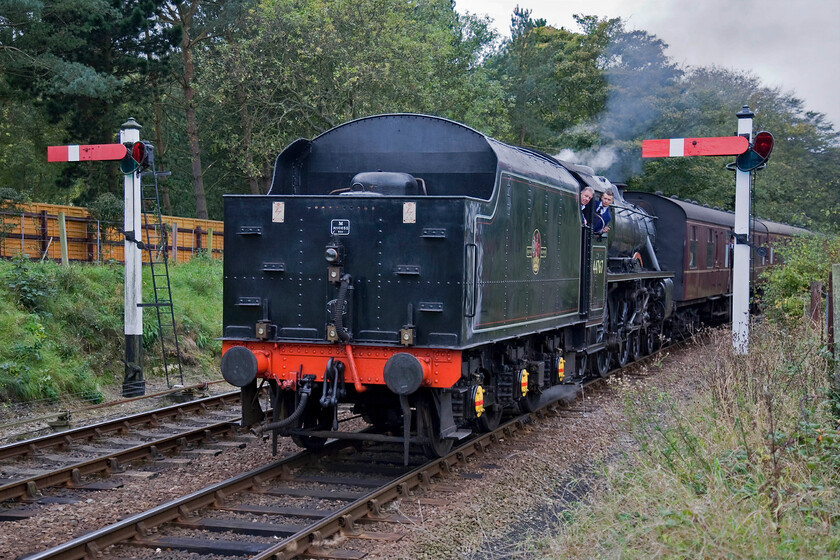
x,y
66,327
807,259
748,467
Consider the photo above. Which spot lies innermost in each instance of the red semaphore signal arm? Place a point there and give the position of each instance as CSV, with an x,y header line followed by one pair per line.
x,y
91,152
678,147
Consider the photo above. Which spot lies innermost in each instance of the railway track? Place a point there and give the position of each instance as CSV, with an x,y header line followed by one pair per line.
x,y
80,458
307,499
325,504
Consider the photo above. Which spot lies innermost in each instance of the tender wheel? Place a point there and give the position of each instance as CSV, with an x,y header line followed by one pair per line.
x,y
583,363
530,402
428,428
490,420
622,358
650,341
601,360
601,363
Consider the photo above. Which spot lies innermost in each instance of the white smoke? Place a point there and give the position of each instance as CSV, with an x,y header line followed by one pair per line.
x,y
599,159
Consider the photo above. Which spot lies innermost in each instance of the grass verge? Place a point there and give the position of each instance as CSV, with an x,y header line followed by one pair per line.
x,y
748,468
63,334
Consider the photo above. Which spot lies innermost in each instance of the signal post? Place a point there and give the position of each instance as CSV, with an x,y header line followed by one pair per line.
x,y
741,252
752,154
133,154
133,384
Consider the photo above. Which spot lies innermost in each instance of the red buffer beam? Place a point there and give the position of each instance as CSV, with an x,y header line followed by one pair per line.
x,y
91,152
679,147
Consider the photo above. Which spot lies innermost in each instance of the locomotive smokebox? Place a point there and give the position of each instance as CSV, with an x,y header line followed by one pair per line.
x,y
633,227
403,373
240,366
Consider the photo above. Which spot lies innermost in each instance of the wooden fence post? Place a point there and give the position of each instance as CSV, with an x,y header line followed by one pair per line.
x,y
834,320
44,234
210,241
175,242
89,239
62,237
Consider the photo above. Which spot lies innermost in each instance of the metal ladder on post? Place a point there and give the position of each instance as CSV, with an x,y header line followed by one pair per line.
x,y
156,247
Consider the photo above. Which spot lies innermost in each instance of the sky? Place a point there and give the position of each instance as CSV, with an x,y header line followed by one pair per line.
x,y
790,44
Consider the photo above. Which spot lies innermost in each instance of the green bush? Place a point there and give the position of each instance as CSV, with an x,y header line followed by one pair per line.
x,y
32,284
787,288
747,467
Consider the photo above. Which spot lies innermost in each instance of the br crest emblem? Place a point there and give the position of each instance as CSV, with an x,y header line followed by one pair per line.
x,y
536,251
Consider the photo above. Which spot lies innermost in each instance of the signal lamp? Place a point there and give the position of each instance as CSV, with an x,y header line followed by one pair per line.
x,y
763,144
757,154
138,155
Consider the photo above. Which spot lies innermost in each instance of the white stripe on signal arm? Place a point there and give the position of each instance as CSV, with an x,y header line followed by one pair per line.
x,y
73,152
677,147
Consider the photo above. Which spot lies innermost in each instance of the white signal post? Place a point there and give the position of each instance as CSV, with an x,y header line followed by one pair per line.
x,y
133,385
728,145
742,252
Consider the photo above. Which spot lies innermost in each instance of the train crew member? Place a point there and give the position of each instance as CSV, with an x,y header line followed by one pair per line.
x,y
585,196
602,213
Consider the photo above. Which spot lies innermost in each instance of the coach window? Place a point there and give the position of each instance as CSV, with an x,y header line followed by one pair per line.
x,y
692,248
763,243
710,249
729,248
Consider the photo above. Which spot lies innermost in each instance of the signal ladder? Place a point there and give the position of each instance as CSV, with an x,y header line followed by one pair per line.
x,y
156,247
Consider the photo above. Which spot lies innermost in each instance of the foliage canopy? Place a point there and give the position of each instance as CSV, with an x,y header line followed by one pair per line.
x,y
222,87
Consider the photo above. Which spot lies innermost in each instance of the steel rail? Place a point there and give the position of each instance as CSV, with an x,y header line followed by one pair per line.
x,y
345,520
135,528
71,475
122,424
139,525
106,404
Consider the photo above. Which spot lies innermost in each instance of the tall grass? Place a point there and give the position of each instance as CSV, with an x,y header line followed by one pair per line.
x,y
197,303
749,467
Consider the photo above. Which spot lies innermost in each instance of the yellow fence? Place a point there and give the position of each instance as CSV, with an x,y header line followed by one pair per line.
x,y
33,230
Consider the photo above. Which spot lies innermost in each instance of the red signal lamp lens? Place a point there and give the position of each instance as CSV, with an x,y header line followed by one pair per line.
x,y
138,152
763,144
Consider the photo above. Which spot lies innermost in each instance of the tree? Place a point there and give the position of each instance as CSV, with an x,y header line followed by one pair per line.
x,y
525,66
554,78
188,17
799,184
80,61
334,60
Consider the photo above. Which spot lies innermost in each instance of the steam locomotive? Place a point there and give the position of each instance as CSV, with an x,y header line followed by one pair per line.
x,y
433,278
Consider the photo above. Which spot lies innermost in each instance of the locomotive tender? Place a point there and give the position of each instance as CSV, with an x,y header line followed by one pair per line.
x,y
434,277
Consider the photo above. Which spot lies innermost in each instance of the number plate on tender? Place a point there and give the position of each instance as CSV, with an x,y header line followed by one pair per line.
x,y
340,227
